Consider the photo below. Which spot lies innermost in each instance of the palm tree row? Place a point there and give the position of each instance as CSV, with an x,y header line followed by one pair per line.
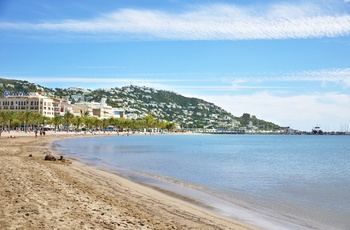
x,y
27,120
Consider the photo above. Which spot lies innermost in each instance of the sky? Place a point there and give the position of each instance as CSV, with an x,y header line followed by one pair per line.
x,y
287,62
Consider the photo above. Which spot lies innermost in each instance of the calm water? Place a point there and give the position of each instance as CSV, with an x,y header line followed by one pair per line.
x,y
271,181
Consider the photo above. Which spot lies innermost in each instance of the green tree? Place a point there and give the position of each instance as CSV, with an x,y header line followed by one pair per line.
x,y
120,123
104,123
89,122
149,121
56,121
138,124
170,126
97,123
37,118
162,124
112,121
77,122
127,124
25,117
68,116
8,117
86,114
44,120
2,119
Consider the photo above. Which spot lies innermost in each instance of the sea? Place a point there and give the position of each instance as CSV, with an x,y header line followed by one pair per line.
x,y
279,182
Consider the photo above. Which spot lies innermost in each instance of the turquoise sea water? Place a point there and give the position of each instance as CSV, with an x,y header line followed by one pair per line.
x,y
270,181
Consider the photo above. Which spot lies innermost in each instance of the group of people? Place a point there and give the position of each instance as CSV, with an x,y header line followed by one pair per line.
x,y
41,131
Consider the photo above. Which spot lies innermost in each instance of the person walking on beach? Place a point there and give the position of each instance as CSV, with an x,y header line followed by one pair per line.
x,y
36,132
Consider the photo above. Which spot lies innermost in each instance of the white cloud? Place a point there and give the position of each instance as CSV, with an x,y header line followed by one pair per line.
x,y
338,76
330,110
212,81
210,22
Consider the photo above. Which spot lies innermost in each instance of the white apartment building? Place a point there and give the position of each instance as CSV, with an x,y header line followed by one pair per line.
x,y
100,110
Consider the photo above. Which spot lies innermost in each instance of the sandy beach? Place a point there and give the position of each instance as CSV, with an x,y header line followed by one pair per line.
x,y
39,194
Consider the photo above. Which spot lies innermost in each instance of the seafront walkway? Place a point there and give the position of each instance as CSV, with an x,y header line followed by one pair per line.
x,y
16,134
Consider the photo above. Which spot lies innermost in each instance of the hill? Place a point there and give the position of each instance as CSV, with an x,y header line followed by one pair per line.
x,y
139,102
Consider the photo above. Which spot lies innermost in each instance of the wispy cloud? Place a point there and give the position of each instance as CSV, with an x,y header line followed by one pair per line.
x,y
209,22
200,81
338,76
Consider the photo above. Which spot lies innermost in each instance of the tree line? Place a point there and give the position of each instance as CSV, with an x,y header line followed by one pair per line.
x,y
28,120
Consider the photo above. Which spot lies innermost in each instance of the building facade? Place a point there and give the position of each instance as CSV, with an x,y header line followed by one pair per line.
x,y
32,102
51,107
100,109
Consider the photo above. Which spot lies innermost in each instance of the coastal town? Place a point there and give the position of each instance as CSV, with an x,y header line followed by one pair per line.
x,y
123,108
131,103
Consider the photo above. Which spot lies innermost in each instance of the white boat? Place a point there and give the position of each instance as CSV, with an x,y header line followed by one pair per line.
x,y
317,130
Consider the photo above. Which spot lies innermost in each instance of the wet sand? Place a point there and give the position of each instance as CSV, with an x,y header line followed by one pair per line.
x,y
39,194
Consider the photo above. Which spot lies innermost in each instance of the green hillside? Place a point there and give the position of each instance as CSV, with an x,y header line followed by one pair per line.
x,y
138,102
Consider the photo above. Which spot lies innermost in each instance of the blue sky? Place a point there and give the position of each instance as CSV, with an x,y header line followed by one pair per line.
x,y
284,61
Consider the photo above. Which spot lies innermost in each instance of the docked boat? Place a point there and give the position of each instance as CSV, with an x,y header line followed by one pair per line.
x,y
317,130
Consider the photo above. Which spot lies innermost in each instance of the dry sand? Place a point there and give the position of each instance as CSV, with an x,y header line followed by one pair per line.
x,y
39,194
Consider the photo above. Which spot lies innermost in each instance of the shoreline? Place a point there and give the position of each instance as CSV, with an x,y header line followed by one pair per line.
x,y
67,195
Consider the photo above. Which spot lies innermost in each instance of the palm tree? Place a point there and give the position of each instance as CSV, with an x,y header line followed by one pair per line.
x,y
68,116
25,117
118,123
2,119
9,116
86,114
85,118
37,118
97,123
112,121
127,124
44,119
56,121
122,123
90,122
104,123
77,121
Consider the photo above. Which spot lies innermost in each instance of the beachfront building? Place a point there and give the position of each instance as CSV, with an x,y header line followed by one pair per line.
x,y
34,102
66,106
50,107
100,109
